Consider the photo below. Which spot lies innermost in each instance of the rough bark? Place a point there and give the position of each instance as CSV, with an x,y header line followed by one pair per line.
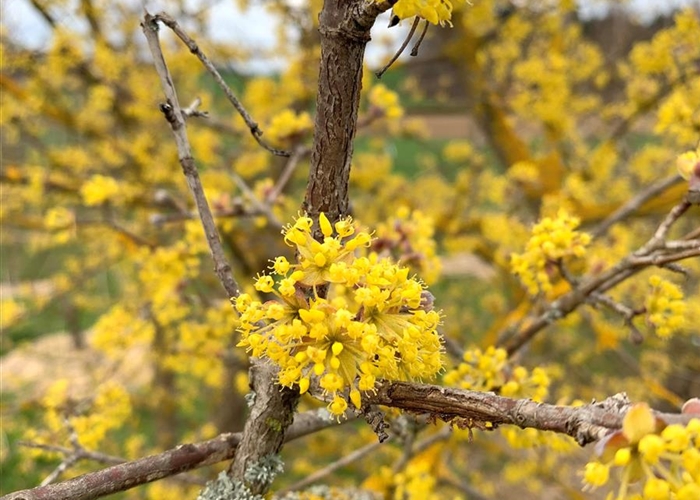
x,y
344,29
343,41
186,457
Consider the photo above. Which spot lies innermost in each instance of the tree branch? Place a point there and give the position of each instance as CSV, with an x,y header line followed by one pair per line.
x,y
652,253
635,203
194,48
469,409
185,457
174,115
345,30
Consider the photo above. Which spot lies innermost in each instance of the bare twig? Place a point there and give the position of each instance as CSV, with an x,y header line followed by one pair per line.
x,y
467,489
635,203
331,468
238,210
185,457
194,48
459,407
260,206
287,173
193,109
421,446
652,253
401,48
175,117
44,12
95,456
67,463
660,234
117,228
367,12
414,50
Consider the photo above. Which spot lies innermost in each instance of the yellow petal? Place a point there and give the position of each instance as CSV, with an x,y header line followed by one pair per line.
x,y
638,422
325,224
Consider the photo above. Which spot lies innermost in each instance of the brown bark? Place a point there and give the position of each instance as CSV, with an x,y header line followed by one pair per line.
x,y
343,42
185,457
344,29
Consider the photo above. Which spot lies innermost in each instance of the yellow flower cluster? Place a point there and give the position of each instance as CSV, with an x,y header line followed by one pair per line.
x,y
91,420
665,306
374,324
551,241
666,458
458,151
386,101
489,370
434,11
418,481
409,239
61,222
99,189
287,125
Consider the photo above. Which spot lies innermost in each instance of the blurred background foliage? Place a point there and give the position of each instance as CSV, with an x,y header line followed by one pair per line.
x,y
115,328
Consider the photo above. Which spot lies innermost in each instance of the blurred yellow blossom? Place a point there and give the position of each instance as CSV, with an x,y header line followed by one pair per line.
x,y
99,189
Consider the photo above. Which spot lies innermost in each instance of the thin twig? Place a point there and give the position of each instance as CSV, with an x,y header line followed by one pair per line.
x,y
111,224
414,50
693,234
635,203
193,109
421,446
259,205
95,456
368,11
645,256
238,210
663,229
469,490
127,475
331,468
194,48
681,244
625,311
175,118
67,462
401,49
287,173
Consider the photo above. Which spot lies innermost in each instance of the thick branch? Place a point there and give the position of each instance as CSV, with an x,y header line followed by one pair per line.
x,y
265,429
344,27
185,457
464,408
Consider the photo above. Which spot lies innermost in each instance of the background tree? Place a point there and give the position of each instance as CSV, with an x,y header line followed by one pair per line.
x,y
92,196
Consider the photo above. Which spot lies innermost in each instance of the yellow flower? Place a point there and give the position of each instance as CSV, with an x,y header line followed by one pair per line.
x,y
385,100
552,240
638,422
596,474
385,332
288,124
99,189
434,11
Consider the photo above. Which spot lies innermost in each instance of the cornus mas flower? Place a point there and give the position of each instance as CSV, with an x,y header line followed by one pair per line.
x,y
434,11
663,461
375,323
552,239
